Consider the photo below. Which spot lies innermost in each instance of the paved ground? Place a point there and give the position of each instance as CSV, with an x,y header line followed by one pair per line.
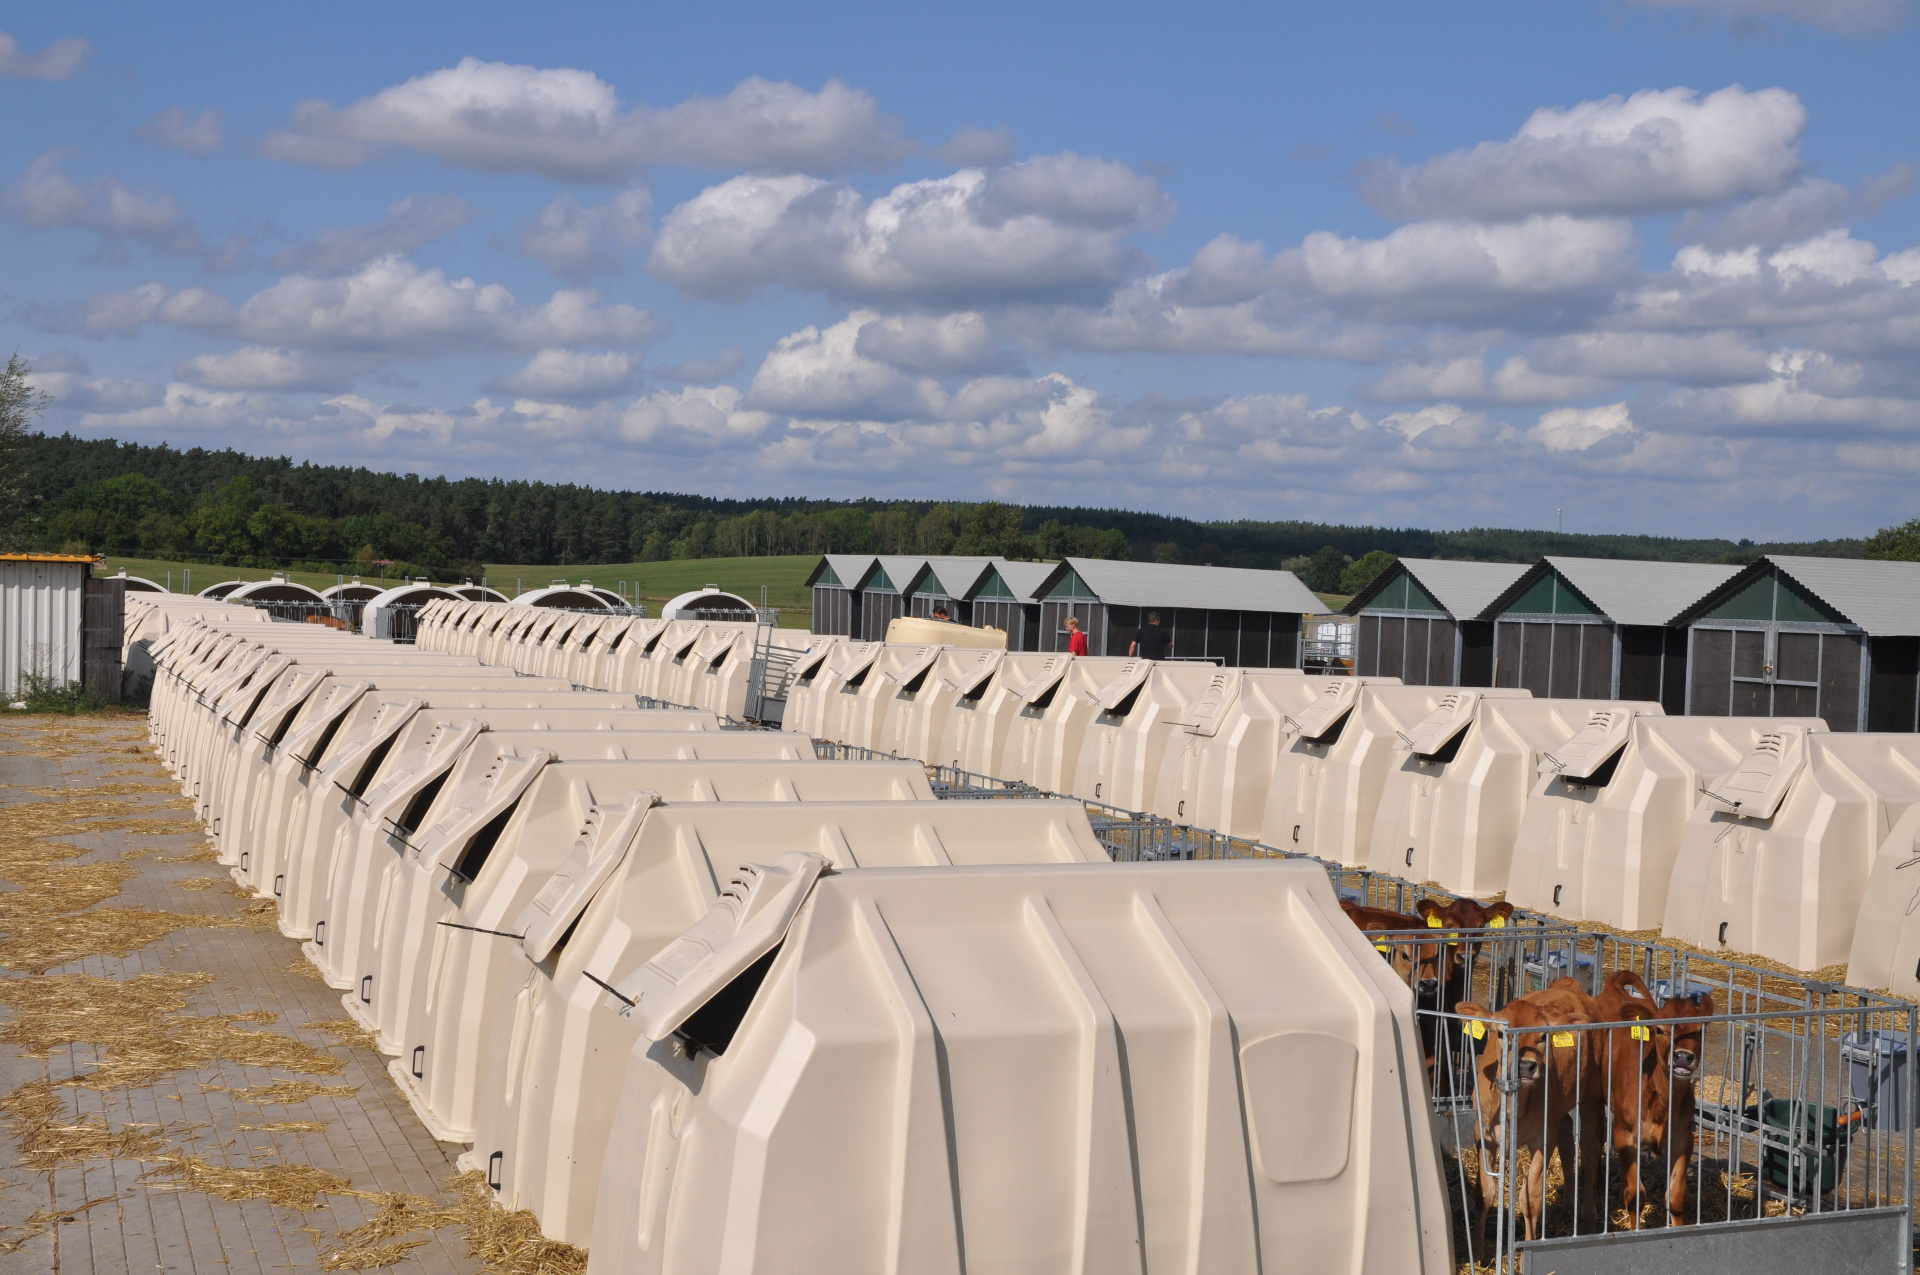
x,y
129,1147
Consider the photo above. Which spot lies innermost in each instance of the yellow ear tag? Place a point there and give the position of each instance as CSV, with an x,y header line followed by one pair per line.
x,y
1563,1040
1497,923
1477,1030
1433,923
1640,1033
1385,949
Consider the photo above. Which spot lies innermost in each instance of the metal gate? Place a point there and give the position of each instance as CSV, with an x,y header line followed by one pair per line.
x,y
102,632
1764,670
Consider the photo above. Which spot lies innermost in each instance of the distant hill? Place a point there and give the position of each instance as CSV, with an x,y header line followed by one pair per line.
x,y
225,506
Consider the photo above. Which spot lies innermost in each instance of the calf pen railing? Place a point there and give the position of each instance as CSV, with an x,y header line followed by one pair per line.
x,y
1707,1091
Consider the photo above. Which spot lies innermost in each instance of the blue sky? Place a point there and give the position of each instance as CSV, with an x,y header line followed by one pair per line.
x,y
1650,261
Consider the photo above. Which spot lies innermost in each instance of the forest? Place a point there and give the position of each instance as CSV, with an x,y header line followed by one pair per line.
x,y
101,495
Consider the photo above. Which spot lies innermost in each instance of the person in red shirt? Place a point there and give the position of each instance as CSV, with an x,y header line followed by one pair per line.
x,y
1076,640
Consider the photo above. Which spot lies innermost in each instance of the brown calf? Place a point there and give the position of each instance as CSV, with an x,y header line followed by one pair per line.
x,y
1649,1085
1553,1074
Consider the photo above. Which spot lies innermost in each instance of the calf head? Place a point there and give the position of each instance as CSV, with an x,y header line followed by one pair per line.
x,y
1682,1040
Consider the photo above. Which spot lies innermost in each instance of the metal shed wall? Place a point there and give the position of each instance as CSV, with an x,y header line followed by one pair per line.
x,y
42,610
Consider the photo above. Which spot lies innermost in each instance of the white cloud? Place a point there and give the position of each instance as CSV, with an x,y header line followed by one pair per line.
x,y
939,343
408,224
821,372
201,135
570,125
572,376
1659,150
190,407
388,308
1453,264
124,313
55,62
717,368
1468,380
1848,17
977,148
575,242
1576,429
709,416
256,367
1051,226
45,198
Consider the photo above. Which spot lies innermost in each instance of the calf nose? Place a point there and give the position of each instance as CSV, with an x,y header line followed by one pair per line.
x,y
1683,1060
1529,1069
1428,988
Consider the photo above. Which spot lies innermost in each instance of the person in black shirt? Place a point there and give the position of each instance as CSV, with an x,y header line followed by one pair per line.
x,y
1152,641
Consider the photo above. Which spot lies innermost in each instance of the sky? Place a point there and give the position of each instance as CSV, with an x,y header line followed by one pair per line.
x,y
1623,265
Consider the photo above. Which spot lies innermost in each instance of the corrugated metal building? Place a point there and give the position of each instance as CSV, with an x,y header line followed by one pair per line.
x,y
835,582
58,622
1232,615
1420,621
946,582
1600,628
1003,598
1835,638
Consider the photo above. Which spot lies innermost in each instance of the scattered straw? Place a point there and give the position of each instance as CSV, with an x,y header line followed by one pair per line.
x,y
43,1222
197,883
389,1235
59,940
509,1242
346,1032
48,1137
304,966
285,1126
284,1092
204,853
293,1186
138,1023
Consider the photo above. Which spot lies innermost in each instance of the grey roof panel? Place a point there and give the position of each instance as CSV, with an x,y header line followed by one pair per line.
x,y
1162,584
957,575
1634,591
1465,589
1881,597
849,567
900,568
1023,577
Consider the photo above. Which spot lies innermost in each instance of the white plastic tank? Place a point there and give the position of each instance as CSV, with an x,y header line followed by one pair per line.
x,y
572,828
1225,749
1604,822
1049,727
375,730
1191,1067
1138,712
364,868
554,1067
1331,770
1450,811
1778,851
919,721
1886,934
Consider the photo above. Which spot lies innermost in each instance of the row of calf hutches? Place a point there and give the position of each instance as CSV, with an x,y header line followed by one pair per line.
x,y
701,1000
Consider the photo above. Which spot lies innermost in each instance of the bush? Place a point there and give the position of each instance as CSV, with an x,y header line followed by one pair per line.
x,y
1363,571
42,694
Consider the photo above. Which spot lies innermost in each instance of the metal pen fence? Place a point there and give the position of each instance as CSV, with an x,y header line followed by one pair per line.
x,y
1640,1085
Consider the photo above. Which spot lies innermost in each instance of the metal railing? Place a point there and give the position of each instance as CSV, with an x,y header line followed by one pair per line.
x,y
334,614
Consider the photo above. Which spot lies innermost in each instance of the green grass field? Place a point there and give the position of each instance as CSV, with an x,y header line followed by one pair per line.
x,y
656,582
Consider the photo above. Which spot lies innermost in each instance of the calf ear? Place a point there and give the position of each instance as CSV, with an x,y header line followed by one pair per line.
x,y
1429,908
1502,910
